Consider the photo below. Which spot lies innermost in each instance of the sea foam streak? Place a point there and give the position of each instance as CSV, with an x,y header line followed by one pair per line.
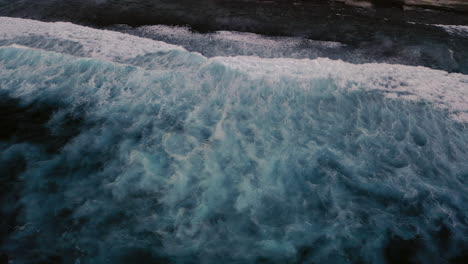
x,y
168,156
445,90
455,29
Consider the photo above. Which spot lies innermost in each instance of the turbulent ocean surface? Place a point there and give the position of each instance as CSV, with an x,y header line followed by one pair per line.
x,y
163,144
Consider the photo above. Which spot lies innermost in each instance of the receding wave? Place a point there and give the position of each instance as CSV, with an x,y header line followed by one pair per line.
x,y
143,152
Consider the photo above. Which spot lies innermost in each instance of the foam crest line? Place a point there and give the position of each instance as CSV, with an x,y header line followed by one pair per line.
x,y
446,91
102,44
455,29
166,156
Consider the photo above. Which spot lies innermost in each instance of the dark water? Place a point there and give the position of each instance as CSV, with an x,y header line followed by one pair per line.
x,y
319,139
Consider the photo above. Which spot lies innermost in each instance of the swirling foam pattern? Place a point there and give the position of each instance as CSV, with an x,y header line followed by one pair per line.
x,y
169,157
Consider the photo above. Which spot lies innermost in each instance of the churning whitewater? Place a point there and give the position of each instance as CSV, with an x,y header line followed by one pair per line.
x,y
144,152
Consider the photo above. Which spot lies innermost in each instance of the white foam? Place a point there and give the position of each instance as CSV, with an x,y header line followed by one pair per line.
x,y
451,29
246,38
96,43
455,29
445,90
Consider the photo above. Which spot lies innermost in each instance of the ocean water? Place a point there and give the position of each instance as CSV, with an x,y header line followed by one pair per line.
x,y
122,149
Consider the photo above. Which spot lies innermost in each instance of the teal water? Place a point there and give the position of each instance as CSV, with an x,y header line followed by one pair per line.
x,y
197,161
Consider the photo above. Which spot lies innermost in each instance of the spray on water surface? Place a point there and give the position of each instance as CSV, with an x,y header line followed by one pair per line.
x,y
143,152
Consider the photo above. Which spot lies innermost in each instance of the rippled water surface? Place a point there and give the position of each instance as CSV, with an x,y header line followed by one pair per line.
x,y
158,144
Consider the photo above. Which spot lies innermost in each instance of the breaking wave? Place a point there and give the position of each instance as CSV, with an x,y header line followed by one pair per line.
x,y
120,149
